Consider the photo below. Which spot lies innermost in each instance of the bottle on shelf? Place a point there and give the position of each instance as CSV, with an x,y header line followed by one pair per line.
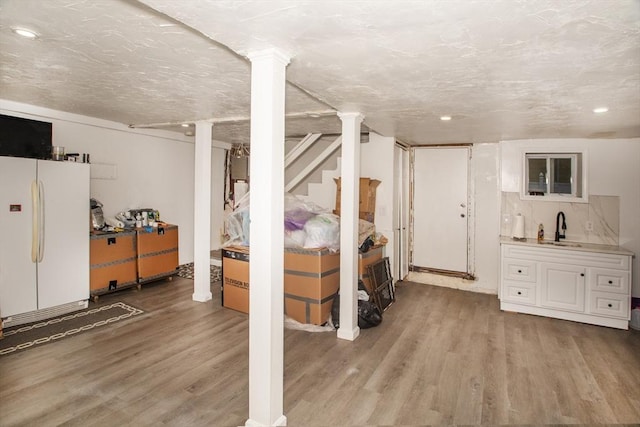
x,y
540,233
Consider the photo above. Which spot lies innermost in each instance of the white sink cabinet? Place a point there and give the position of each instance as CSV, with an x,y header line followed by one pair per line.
x,y
571,283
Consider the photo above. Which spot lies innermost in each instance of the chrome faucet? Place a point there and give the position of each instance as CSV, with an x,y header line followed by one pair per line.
x,y
564,226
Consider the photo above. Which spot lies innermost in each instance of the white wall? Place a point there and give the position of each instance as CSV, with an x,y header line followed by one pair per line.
x,y
154,168
484,164
217,194
613,170
376,162
484,232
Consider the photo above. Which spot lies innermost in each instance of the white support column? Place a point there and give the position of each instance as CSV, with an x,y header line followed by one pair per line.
x,y
266,239
202,213
349,203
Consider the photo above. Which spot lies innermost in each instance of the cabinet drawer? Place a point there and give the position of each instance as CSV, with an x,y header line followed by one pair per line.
x,y
609,281
518,293
519,270
610,304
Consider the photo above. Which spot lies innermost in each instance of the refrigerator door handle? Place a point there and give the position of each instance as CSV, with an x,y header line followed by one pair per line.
x,y
41,221
35,210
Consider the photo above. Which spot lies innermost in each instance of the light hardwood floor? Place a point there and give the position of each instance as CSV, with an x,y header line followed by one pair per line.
x,y
440,357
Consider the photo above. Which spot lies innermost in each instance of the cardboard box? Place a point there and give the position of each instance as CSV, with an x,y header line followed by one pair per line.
x,y
311,280
364,260
235,278
113,261
157,254
367,202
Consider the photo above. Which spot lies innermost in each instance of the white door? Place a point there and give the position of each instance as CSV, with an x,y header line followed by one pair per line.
x,y
17,270
63,272
440,212
401,213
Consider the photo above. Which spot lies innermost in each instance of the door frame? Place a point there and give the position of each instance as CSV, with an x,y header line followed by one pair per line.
x,y
401,214
469,274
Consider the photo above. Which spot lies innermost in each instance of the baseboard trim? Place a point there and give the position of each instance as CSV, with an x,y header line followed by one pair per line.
x,y
566,315
348,335
281,421
203,297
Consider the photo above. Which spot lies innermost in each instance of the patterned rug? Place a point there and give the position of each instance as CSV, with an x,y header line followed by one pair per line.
x,y
23,337
186,271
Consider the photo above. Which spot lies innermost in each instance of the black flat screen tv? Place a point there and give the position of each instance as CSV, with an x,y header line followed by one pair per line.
x,y
25,138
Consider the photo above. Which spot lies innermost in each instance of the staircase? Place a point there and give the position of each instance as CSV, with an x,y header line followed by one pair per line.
x,y
323,192
311,164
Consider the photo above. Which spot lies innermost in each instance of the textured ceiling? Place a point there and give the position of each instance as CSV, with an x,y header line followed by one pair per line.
x,y
502,69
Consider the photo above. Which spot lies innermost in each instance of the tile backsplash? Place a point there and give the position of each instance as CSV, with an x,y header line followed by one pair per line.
x,y
603,212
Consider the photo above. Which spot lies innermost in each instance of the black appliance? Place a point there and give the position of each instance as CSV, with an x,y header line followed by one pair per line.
x,y
25,138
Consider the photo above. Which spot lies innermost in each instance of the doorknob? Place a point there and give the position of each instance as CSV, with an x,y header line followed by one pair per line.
x,y
462,215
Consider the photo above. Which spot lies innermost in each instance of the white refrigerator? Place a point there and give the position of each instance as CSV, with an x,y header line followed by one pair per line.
x,y
44,238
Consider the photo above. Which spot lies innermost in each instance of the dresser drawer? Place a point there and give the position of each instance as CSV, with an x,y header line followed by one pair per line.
x,y
519,270
610,304
518,293
609,280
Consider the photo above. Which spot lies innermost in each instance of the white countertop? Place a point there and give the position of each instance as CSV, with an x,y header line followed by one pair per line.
x,y
575,246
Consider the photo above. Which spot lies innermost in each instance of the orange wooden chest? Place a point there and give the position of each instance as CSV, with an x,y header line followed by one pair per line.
x,y
157,252
113,261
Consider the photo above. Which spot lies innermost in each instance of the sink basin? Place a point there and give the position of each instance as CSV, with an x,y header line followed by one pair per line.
x,y
567,244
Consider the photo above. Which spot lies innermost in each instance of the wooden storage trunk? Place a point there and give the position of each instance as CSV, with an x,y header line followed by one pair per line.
x,y
113,261
157,252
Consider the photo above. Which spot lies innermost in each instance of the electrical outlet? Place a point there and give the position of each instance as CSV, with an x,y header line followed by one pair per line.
x,y
588,225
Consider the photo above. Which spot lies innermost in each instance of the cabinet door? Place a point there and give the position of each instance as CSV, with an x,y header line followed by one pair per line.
x,y
562,287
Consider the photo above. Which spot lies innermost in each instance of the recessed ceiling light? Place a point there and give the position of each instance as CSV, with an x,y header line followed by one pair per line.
x,y
25,32
185,125
600,110
445,118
